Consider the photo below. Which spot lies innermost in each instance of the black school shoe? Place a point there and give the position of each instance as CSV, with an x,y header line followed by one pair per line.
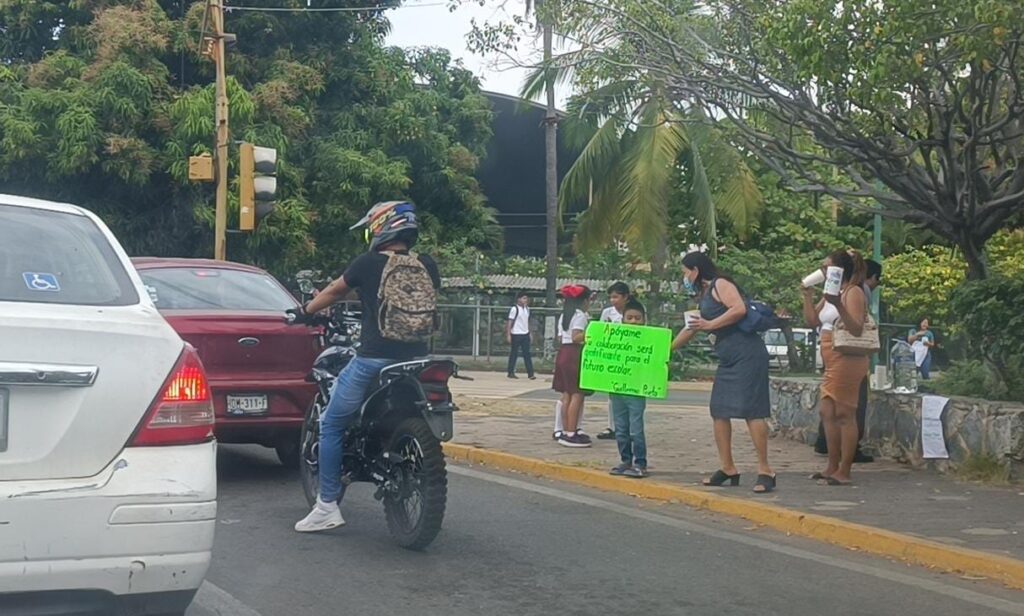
x,y
607,435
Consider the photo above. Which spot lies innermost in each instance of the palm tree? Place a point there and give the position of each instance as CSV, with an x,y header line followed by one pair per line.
x,y
638,154
553,222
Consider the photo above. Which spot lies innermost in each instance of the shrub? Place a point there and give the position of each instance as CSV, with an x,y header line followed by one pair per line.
x,y
990,316
970,378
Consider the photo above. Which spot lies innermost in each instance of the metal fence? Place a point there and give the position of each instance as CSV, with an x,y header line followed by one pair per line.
x,y
478,331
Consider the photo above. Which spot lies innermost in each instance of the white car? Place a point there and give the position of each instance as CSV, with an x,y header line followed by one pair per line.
x,y
778,350
108,489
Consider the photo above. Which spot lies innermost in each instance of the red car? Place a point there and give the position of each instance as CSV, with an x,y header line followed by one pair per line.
x,y
233,315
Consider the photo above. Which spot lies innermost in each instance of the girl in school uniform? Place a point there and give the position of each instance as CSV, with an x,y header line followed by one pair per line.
x,y
572,326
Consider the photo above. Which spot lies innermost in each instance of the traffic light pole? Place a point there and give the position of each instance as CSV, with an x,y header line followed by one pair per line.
x,y
216,8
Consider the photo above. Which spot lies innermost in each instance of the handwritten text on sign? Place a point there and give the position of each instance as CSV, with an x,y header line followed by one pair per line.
x,y
626,359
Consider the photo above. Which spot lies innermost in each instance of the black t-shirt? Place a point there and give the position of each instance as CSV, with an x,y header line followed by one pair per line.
x,y
364,276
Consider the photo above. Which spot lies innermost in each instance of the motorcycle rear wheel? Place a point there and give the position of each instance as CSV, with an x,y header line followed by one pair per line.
x,y
416,513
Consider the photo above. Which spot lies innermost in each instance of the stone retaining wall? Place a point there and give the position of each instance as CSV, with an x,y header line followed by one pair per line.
x,y
972,427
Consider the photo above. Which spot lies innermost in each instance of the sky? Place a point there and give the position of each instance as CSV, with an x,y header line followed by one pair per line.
x,y
421,23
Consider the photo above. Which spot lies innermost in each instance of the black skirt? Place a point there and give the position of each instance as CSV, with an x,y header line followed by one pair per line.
x,y
741,381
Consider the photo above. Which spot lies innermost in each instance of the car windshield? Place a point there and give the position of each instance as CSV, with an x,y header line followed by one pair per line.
x,y
59,258
774,337
193,288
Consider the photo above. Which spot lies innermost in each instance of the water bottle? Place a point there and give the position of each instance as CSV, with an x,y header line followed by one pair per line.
x,y
903,368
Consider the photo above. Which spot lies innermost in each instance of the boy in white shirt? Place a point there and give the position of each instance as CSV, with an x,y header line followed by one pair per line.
x,y
517,334
618,295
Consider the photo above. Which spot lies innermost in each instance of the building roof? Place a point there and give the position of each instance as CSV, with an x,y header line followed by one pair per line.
x,y
505,282
519,283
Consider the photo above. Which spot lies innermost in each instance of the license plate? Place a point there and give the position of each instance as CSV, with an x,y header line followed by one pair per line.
x,y
247,405
4,397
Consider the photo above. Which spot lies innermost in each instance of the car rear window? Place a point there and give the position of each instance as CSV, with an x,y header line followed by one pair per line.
x,y
192,288
59,258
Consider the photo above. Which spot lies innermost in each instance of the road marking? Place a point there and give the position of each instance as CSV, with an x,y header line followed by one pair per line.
x,y
216,600
970,596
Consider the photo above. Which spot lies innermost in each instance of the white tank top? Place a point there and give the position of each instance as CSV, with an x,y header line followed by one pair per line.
x,y
827,316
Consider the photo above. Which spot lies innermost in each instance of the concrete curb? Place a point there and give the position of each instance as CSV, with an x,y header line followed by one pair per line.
x,y
822,528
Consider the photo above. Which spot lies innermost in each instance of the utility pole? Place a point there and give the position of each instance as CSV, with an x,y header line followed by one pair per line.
x,y
216,8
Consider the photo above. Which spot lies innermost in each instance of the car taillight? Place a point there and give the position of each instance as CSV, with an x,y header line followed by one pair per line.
x,y
183,412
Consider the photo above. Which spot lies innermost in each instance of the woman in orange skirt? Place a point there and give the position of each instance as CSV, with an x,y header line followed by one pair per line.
x,y
840,387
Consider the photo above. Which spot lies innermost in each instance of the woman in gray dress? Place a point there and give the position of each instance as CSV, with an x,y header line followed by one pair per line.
x,y
741,381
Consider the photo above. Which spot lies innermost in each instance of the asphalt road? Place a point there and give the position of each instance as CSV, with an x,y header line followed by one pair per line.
x,y
520,547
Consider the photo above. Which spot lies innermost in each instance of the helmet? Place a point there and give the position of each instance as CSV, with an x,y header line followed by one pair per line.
x,y
390,221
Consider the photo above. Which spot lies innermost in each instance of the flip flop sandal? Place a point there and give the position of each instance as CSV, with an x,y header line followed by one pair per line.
x,y
831,481
766,483
819,476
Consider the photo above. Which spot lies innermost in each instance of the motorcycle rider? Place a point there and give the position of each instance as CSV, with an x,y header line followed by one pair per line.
x,y
391,228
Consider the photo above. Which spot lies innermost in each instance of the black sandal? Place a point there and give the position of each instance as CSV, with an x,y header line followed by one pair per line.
x,y
766,483
719,477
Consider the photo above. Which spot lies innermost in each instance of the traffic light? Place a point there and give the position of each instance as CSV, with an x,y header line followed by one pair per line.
x,y
257,184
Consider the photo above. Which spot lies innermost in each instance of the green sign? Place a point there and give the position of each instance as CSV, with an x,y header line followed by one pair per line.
x,y
626,359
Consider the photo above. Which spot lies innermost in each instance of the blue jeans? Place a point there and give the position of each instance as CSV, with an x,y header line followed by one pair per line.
x,y
346,400
628,413
926,367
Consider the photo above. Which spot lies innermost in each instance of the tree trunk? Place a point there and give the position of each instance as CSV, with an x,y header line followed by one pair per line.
x,y
658,264
796,363
551,173
974,254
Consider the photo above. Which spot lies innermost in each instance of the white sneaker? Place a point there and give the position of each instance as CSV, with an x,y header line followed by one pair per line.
x,y
324,516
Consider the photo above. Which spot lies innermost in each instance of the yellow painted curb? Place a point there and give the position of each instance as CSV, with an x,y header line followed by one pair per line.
x,y
849,535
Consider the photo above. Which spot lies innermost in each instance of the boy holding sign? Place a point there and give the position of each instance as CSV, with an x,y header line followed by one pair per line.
x,y
628,414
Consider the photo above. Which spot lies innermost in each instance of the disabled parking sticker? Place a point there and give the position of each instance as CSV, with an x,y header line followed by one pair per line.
x,y
41,282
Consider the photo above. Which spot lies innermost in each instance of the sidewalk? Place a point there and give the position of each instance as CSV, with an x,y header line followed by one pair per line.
x,y
506,415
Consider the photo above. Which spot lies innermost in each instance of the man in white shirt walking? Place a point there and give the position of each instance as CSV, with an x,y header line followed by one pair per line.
x,y
517,334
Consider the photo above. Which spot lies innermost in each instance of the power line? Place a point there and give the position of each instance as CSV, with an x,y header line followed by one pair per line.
x,y
338,9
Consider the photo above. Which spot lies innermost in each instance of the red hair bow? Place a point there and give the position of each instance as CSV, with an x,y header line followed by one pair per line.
x,y
573,291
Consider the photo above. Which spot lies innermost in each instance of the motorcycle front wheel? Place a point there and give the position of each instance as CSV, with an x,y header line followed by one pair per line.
x,y
309,451
415,510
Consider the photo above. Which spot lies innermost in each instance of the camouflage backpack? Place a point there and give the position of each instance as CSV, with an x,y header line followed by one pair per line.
x,y
408,302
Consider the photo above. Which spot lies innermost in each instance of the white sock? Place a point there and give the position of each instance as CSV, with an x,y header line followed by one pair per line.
x,y
331,506
611,418
558,417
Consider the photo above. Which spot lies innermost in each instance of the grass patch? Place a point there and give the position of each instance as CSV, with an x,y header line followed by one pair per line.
x,y
984,469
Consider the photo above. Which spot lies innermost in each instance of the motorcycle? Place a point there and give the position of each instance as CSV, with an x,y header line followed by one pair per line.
x,y
395,440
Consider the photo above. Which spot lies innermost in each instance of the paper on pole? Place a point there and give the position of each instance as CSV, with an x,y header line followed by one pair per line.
x,y
626,359
933,441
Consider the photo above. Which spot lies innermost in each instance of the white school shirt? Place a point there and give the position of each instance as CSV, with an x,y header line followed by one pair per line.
x,y
521,320
611,315
579,321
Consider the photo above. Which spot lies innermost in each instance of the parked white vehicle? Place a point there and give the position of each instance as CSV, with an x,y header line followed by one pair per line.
x,y
107,460
778,350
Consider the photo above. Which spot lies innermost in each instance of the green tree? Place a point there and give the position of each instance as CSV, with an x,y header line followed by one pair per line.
x,y
102,102
916,104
